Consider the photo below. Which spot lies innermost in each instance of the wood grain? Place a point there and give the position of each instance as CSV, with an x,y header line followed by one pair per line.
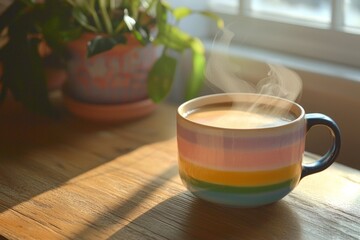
x,y
69,179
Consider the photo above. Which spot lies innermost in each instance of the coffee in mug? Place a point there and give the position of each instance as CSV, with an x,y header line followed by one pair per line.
x,y
238,117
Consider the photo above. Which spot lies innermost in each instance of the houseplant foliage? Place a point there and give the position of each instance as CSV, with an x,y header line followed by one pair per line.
x,y
148,21
27,25
31,22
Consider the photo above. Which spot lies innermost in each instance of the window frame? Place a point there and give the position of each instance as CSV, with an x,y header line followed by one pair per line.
x,y
328,42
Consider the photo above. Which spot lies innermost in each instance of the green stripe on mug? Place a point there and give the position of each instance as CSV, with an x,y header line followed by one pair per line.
x,y
232,189
238,178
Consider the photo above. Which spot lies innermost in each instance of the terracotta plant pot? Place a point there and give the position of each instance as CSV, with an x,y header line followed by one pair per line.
x,y
116,77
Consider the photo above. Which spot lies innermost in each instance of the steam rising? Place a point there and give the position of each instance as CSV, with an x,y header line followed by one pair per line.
x,y
223,72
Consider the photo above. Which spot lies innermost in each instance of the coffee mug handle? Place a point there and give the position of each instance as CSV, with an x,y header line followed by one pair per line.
x,y
325,161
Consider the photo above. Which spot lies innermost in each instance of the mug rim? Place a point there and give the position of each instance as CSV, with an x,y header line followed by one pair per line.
x,y
181,110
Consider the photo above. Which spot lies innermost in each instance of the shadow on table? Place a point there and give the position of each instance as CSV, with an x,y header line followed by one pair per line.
x,y
38,154
123,211
186,217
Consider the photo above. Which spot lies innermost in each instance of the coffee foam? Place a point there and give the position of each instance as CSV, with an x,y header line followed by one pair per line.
x,y
225,116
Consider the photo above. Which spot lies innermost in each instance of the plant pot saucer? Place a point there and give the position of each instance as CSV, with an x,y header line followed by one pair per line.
x,y
109,113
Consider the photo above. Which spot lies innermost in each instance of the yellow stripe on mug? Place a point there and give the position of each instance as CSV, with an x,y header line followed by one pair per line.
x,y
239,178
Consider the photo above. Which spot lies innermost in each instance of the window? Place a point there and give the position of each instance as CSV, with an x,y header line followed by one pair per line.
x,y
323,29
311,11
352,13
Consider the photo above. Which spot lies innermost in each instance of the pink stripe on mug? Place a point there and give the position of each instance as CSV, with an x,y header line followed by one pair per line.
x,y
242,159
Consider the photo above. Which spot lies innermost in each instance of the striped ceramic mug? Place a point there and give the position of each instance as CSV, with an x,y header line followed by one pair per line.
x,y
220,161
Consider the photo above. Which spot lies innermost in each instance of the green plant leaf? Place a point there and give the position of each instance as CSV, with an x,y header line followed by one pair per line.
x,y
161,16
102,44
142,35
134,8
105,16
56,34
83,20
198,65
71,34
174,38
23,73
181,12
197,75
160,78
29,84
197,46
85,12
219,21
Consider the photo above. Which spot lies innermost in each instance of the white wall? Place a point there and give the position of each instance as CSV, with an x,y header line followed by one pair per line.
x,y
335,97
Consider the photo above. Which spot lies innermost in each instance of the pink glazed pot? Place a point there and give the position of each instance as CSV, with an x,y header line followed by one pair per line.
x,y
112,77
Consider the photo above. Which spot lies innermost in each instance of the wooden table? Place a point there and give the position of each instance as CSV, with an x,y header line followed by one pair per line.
x,y
70,179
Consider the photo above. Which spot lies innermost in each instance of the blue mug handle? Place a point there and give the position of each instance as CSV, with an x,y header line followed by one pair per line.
x,y
325,161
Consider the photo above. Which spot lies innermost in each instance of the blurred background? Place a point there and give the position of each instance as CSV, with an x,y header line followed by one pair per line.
x,y
319,40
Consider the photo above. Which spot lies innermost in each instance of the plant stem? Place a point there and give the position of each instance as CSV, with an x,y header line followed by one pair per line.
x,y
105,15
119,27
151,5
92,10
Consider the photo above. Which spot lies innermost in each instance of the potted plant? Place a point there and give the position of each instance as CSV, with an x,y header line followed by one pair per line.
x,y
27,29
121,37
106,26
